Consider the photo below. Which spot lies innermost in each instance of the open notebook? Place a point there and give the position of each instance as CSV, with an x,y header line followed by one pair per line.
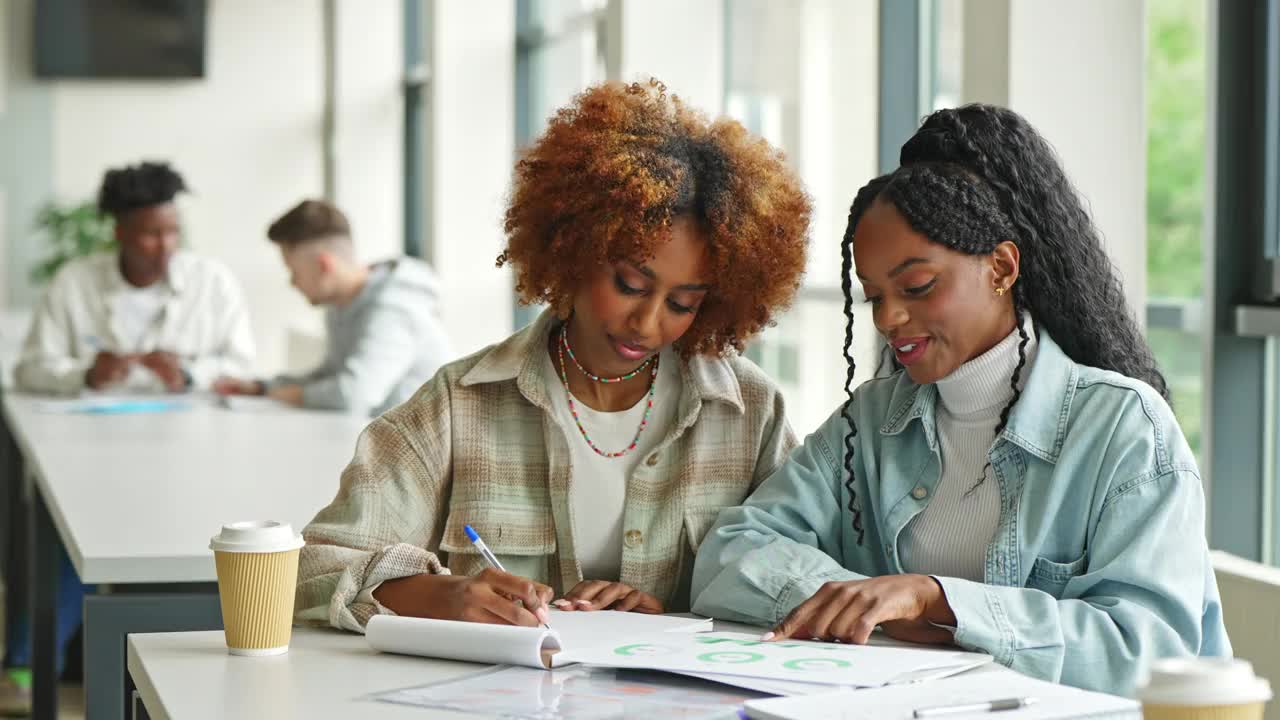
x,y
666,643
508,645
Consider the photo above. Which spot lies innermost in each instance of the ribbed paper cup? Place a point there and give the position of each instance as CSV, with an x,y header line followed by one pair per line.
x,y
1248,711
257,572
1203,689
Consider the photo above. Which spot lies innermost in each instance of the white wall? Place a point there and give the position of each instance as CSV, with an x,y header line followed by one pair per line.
x,y
369,141
472,96
1077,72
4,93
678,41
247,137
25,150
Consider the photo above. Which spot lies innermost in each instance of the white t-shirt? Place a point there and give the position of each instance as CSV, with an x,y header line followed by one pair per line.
x,y
598,485
136,312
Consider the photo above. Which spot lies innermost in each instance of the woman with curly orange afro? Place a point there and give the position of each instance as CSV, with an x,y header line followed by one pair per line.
x,y
593,449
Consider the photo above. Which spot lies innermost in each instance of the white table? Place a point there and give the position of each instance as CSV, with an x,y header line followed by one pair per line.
x,y
325,675
135,499
190,676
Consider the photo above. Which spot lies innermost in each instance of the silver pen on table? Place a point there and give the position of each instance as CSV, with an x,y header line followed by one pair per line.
x,y
987,706
486,553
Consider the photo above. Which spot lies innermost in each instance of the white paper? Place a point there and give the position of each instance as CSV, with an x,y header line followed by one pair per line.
x,y
577,693
739,654
899,702
935,670
509,645
470,642
111,404
773,687
580,630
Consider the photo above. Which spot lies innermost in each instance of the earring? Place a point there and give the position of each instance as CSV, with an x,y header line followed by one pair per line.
x,y
1000,290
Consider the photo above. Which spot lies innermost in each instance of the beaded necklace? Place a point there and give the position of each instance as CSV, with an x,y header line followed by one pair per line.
x,y
564,343
573,410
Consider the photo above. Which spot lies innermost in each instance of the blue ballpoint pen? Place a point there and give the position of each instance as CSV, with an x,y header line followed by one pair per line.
x,y
486,553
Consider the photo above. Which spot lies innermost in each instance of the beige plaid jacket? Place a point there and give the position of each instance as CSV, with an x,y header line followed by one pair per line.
x,y
479,444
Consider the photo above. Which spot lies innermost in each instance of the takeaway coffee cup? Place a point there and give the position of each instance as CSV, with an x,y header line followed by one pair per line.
x,y
257,571
1203,689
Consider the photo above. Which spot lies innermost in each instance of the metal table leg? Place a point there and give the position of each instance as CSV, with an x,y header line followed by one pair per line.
x,y
43,549
108,619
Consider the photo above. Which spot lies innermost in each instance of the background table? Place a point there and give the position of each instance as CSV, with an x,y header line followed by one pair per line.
x,y
134,500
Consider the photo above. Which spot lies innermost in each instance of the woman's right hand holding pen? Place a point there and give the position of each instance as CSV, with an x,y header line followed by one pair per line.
x,y
492,596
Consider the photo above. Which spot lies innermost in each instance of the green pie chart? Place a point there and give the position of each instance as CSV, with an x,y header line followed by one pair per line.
x,y
642,650
731,658
816,664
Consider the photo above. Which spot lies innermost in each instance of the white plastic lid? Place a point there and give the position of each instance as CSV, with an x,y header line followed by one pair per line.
x,y
256,536
1203,681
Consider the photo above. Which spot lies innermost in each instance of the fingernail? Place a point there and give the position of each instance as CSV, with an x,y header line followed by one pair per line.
x,y
767,636
560,603
584,603
541,614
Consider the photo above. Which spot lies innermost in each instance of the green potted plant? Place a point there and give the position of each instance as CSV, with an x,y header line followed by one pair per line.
x,y
71,231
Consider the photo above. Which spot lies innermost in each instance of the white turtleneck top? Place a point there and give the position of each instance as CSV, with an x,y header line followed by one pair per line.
x,y
950,536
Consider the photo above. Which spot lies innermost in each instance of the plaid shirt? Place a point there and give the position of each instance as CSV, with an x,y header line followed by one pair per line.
x,y
480,444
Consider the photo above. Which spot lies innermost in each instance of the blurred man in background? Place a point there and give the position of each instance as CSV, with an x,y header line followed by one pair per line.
x,y
384,337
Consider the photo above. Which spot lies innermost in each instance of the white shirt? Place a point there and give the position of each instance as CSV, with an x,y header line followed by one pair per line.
x,y
90,307
950,536
137,310
597,484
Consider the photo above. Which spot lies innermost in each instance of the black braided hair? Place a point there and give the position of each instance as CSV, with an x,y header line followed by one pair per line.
x,y
1069,284
138,186
974,177
860,204
1013,383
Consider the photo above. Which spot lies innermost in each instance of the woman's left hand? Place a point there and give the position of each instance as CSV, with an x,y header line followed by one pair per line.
x,y
905,606
605,595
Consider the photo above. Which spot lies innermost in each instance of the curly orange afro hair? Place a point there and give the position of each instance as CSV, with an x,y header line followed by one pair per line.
x,y
612,171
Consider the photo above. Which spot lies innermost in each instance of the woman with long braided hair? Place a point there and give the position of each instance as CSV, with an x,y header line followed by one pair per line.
x,y
1019,485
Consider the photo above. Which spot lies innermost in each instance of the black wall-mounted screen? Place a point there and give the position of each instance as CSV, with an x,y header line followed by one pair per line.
x,y
120,38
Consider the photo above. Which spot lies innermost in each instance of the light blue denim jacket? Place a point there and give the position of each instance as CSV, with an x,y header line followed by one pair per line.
x,y
1099,562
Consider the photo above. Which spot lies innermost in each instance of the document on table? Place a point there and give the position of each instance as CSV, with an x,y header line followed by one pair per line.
x,y
899,702
722,653
950,663
575,693
106,404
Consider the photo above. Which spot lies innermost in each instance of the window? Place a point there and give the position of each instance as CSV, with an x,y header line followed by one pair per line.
x,y
560,51
1176,192
804,76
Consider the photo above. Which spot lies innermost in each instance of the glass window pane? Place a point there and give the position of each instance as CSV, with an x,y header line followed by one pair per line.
x,y
559,53
559,41
946,18
1176,114
803,74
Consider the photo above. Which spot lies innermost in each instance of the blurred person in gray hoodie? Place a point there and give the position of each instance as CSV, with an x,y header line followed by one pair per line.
x,y
385,338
